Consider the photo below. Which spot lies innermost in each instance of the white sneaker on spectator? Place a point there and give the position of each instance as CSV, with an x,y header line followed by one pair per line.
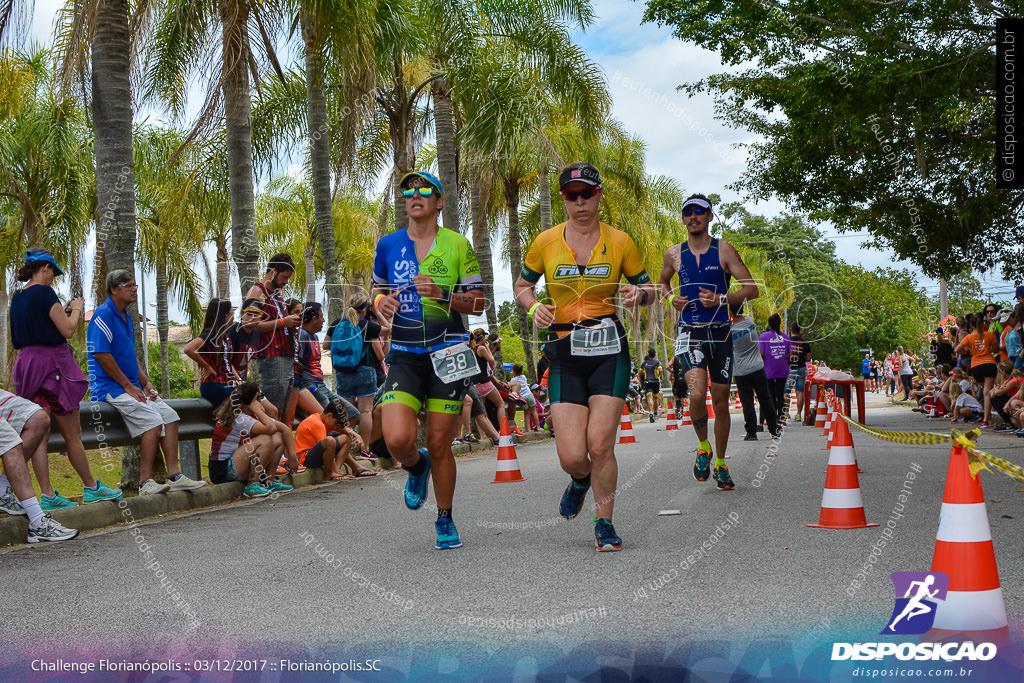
x,y
50,529
150,487
183,483
9,503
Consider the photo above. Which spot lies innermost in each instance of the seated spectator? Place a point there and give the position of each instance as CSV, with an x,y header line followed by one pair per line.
x,y
309,360
473,409
212,352
246,444
47,375
115,377
518,378
1008,383
300,396
965,406
324,440
243,339
17,496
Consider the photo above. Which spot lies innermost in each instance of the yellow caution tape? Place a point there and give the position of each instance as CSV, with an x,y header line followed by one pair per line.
x,y
977,460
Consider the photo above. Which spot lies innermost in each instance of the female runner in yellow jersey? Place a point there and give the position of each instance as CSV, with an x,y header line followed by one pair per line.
x,y
582,261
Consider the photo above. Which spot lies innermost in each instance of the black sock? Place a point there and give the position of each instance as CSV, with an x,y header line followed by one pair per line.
x,y
583,483
444,513
417,469
380,449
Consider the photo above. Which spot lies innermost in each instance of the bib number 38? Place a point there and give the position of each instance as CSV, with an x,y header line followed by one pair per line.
x,y
454,363
599,340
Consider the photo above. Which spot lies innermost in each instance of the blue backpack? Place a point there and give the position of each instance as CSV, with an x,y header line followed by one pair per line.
x,y
346,346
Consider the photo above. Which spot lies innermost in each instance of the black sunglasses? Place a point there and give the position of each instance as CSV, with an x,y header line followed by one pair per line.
x,y
586,194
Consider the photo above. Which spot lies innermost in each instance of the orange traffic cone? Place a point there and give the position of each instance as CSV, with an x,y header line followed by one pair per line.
x,y
819,420
841,506
738,405
793,405
508,463
964,551
670,421
626,427
685,421
710,405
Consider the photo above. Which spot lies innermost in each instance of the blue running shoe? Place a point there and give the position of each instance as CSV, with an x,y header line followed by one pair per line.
x,y
416,487
702,468
723,480
447,534
101,492
572,499
605,537
58,502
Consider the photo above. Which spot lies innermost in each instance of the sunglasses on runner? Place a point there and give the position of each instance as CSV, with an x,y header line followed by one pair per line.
x,y
690,210
423,191
586,194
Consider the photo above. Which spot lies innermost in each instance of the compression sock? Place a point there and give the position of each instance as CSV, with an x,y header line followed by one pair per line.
x,y
417,469
704,445
583,482
719,461
444,513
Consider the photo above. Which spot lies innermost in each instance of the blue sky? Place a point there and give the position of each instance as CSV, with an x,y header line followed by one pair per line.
x,y
644,64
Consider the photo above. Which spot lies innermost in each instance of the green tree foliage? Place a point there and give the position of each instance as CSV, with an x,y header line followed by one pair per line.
x,y
876,116
181,373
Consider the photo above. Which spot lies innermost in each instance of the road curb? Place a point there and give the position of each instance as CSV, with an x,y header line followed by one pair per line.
x,y
14,529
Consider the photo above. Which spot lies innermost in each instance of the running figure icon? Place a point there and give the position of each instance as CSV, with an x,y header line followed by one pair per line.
x,y
915,606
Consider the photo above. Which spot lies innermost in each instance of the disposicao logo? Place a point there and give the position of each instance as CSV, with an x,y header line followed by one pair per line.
x,y
914,612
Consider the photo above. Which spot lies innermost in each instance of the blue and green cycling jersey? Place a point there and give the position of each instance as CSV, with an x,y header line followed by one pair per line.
x,y
424,325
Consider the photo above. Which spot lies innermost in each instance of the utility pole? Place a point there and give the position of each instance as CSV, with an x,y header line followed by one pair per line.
x,y
943,299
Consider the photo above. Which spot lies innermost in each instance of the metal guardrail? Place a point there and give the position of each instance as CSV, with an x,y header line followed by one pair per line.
x,y
102,427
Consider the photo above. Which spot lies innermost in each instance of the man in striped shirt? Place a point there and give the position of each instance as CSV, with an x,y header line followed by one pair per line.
x,y
278,332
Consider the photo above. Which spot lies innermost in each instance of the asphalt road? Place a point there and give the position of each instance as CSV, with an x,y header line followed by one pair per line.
x,y
527,593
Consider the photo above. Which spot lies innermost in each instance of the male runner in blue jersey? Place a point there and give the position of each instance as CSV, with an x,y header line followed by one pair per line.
x,y
705,265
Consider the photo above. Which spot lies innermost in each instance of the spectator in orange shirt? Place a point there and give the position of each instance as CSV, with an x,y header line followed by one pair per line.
x,y
982,345
325,439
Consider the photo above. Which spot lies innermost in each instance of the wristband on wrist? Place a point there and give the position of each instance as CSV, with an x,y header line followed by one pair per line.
x,y
671,298
376,300
446,296
533,307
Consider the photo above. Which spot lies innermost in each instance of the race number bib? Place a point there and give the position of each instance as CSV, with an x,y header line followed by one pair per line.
x,y
682,343
599,340
454,363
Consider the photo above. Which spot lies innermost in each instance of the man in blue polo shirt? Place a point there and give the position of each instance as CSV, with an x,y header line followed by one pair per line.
x,y
115,377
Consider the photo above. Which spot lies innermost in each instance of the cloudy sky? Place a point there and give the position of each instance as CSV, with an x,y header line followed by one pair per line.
x,y
644,64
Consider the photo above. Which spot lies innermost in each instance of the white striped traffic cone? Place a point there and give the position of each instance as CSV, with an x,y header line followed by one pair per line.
x,y
626,427
841,505
670,421
508,464
819,419
964,551
710,405
685,420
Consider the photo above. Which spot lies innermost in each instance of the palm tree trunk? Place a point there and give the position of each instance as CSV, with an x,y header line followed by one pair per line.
x,y
112,133
515,250
310,264
405,161
447,152
481,189
234,16
163,325
320,163
77,291
546,221
223,269
99,275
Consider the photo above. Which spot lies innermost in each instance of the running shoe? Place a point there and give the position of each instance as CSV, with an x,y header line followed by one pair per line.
x,y
281,470
50,529
702,468
183,483
416,487
367,455
750,437
983,425
572,499
976,418
605,537
9,503
723,480
278,486
471,438
651,416
1005,427
256,490
57,502
101,492
447,534
518,432
150,487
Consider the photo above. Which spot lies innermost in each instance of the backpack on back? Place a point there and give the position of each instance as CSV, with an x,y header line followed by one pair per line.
x,y
346,347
